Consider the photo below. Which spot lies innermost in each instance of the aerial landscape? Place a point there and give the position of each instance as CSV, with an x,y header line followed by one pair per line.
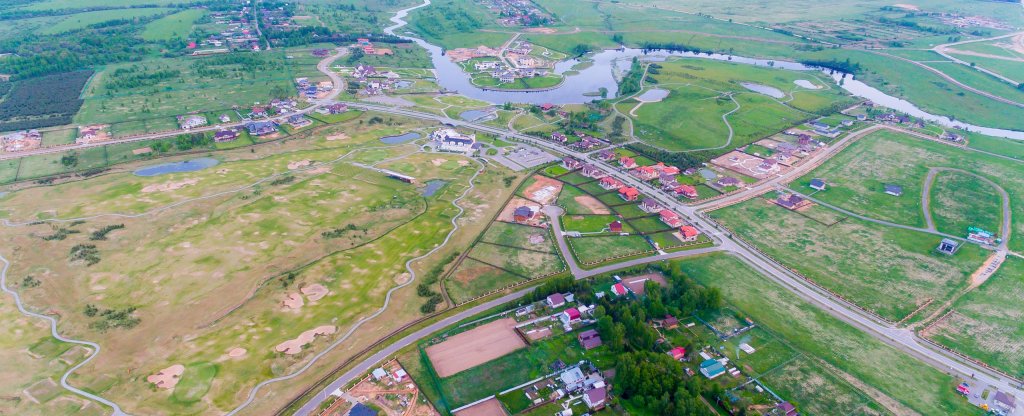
x,y
511,207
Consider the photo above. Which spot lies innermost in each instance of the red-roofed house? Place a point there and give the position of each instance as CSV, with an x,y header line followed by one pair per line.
x,y
686,190
645,173
259,111
610,183
589,339
671,218
619,289
559,137
595,398
629,193
615,227
627,162
678,353
689,233
570,315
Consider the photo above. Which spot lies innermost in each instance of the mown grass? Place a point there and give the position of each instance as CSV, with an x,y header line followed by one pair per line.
x,y
959,201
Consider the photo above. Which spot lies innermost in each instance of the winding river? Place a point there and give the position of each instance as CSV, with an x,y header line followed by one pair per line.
x,y
584,86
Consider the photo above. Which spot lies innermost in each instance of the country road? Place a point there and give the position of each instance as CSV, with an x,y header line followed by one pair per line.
x,y
953,80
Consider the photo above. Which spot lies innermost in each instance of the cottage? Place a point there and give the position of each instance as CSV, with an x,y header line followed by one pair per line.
x,y
547,107
790,202
1005,402
607,155
571,163
595,398
727,181
689,233
671,218
690,171
629,193
668,183
592,171
337,108
298,121
589,339
768,166
379,374
688,191
787,409
522,214
627,162
678,353
260,128
225,136
894,190
191,121
572,379
818,184
569,316
559,137
609,183
711,368
399,375
644,173
670,322
556,300
650,205
258,111
619,289
665,169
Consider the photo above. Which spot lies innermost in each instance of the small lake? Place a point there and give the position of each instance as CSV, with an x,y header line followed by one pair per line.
x,y
763,89
401,138
707,174
654,95
432,187
475,115
803,83
178,167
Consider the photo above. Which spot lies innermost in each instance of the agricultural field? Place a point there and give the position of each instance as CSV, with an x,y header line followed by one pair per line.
x,y
702,92
175,26
315,244
889,271
80,20
985,323
892,157
838,366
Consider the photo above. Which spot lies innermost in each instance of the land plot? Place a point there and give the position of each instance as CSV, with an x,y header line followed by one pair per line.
x,y
542,189
517,235
474,347
807,382
594,250
747,165
522,262
589,223
638,284
473,278
490,407
506,214
575,201
960,200
649,224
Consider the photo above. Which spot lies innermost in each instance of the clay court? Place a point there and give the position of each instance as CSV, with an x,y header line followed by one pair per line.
x,y
474,347
490,407
636,283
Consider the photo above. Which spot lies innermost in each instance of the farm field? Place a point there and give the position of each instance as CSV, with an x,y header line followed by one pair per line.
x,y
891,157
335,226
691,117
887,270
985,322
851,361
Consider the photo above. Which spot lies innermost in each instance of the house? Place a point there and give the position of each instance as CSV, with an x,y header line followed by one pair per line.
x,y
298,121
689,233
847,123
362,410
595,398
224,118
690,171
569,316
225,136
191,121
506,77
1004,402
258,111
619,289
817,125
260,128
677,353
399,375
817,184
589,339
522,214
668,183
453,141
894,190
546,107
607,155
483,66
592,171
670,322
790,202
787,409
379,374
711,368
688,191
609,183
644,173
556,300
768,166
572,379
650,205
615,227
629,193
571,163
337,108
559,137
727,181
665,169
627,162
671,218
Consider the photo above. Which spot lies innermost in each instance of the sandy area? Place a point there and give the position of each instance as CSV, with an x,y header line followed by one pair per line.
x,y
545,190
474,347
169,186
168,377
292,301
536,334
294,346
299,164
490,407
314,292
438,162
591,203
339,136
237,352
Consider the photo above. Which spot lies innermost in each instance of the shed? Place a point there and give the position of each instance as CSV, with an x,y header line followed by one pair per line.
x,y
712,368
818,184
894,190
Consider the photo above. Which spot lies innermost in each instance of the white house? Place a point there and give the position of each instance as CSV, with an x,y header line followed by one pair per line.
x,y
450,140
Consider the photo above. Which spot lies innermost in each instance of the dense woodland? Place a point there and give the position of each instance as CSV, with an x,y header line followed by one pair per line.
x,y
50,100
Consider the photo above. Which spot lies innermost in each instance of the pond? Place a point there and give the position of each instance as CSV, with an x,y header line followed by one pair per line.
x,y
178,167
763,89
651,96
475,115
707,174
432,187
803,83
401,138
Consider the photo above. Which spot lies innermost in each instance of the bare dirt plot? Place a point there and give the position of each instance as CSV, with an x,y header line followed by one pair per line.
x,y
538,333
745,164
544,190
638,283
490,407
474,347
591,203
314,292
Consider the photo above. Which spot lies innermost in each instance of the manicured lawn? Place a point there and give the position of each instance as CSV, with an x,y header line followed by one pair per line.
x,y
195,382
959,201
810,331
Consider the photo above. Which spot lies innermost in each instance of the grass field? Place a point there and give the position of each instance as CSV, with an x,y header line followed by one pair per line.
x,y
473,278
857,362
81,20
596,249
986,322
175,26
887,270
891,157
522,262
997,145
959,201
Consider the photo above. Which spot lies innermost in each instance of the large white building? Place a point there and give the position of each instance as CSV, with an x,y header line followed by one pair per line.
x,y
450,140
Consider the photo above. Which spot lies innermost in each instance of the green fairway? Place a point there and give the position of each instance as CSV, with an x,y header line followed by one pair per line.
x,y
175,26
857,357
887,270
960,201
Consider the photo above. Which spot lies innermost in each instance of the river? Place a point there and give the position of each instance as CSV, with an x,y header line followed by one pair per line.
x,y
582,86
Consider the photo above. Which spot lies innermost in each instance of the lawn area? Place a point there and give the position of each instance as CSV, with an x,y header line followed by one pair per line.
x,y
812,385
593,250
887,270
959,200
518,236
986,323
588,223
175,26
892,157
569,199
997,145
522,262
473,278
858,359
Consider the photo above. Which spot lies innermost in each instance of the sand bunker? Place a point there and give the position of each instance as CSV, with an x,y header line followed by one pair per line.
x,y
314,292
222,171
169,186
299,164
294,346
438,162
339,136
237,352
293,301
168,377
